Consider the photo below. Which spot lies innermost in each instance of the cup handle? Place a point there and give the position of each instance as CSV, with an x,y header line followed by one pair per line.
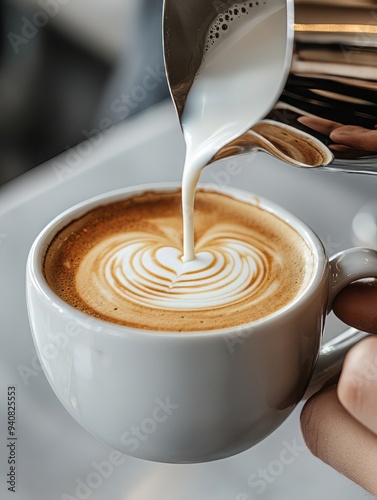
x,y
345,268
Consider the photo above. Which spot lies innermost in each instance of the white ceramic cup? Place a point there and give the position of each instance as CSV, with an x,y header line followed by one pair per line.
x,y
195,396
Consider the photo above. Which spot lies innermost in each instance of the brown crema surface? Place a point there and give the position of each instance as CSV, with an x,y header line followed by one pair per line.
x,y
80,268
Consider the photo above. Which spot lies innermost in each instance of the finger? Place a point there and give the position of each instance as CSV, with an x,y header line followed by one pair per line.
x,y
346,151
319,124
357,388
357,137
339,440
356,305
341,147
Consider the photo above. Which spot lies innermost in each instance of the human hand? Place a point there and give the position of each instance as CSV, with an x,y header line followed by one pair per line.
x,y
347,139
339,424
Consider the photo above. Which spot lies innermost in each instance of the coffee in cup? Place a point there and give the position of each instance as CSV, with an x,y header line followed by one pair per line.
x,y
122,262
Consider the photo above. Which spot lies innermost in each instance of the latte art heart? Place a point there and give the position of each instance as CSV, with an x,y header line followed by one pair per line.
x,y
144,269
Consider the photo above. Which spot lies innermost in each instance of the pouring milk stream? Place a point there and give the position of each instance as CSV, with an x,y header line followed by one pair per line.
x,y
240,76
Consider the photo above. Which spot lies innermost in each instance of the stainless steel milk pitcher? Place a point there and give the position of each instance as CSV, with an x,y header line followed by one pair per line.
x,y
326,115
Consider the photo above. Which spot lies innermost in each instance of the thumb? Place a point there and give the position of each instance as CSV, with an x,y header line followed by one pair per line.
x,y
356,305
357,388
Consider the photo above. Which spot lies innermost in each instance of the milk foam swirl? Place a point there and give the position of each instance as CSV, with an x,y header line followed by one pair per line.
x,y
147,269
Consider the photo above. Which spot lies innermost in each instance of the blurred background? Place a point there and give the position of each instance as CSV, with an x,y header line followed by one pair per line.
x,y
70,69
